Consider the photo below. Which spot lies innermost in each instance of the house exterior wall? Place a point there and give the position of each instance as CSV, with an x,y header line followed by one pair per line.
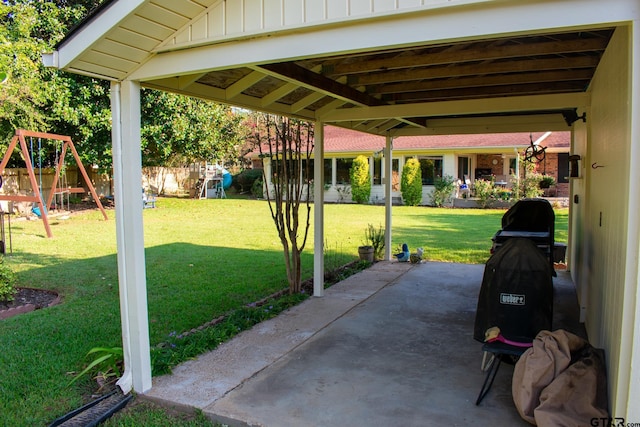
x,y
605,219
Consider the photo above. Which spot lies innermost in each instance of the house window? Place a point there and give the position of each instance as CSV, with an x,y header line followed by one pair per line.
x,y
513,169
293,168
377,171
328,179
342,171
431,169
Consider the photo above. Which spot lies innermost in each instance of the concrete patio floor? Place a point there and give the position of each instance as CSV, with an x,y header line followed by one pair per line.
x,y
391,345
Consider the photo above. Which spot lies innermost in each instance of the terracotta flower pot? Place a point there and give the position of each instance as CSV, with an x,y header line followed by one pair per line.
x,y
366,253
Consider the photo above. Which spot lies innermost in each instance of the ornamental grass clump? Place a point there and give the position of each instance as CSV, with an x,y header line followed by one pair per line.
x,y
7,282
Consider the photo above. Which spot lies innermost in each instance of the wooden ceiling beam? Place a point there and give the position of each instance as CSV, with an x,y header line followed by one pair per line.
x,y
316,81
328,86
306,101
460,107
460,70
277,94
487,91
243,84
333,105
481,81
477,53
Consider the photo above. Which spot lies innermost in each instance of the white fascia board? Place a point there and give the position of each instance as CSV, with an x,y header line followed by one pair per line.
x,y
94,30
469,22
462,107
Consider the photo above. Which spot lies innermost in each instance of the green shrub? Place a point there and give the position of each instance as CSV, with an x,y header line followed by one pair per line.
x,y
547,181
444,187
531,185
411,183
7,282
516,188
484,191
244,181
257,188
360,180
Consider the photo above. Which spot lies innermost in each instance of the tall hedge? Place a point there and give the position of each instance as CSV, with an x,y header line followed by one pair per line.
x,y
360,180
411,183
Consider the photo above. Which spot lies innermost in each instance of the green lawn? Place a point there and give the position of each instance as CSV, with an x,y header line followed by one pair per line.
x,y
204,258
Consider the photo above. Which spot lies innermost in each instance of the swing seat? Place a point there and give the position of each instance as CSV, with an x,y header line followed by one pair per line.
x,y
36,211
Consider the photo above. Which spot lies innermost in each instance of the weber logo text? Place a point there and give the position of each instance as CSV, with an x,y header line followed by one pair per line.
x,y
512,299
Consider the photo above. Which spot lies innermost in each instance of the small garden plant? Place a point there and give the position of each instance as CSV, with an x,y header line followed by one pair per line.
x,y
444,187
374,237
484,191
107,365
7,282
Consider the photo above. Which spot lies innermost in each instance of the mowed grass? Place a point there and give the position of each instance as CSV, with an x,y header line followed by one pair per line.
x,y
204,258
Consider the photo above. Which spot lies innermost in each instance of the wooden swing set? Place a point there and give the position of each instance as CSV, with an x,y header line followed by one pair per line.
x,y
36,196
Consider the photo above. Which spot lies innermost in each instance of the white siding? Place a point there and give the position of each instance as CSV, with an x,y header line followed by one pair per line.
x,y
227,19
606,216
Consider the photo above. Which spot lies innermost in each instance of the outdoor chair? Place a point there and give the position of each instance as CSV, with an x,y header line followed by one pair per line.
x,y
464,188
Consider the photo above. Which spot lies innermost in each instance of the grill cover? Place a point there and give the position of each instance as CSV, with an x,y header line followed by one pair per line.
x,y
516,293
530,215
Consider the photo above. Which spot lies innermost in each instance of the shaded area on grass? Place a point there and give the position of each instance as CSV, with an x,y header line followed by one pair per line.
x,y
204,259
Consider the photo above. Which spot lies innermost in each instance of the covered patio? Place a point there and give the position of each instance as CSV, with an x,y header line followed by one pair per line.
x,y
392,345
395,68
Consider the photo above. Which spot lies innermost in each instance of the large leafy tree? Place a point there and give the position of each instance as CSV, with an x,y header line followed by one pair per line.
x,y
175,129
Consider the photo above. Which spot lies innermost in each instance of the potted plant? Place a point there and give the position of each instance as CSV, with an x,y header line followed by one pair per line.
x,y
365,252
374,238
547,181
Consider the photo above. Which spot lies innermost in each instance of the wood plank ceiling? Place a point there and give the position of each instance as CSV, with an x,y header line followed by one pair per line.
x,y
515,66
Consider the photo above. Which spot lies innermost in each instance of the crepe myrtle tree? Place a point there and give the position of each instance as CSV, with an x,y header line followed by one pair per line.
x,y
288,144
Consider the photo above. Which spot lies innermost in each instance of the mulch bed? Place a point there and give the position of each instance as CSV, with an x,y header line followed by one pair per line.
x,y
26,300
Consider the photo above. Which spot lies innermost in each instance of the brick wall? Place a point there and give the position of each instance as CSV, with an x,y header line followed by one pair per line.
x,y
549,166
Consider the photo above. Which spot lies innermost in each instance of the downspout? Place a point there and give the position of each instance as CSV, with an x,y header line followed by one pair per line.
x,y
125,382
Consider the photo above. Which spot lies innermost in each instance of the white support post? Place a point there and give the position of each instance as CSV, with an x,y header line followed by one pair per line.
x,y
127,177
318,211
388,202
